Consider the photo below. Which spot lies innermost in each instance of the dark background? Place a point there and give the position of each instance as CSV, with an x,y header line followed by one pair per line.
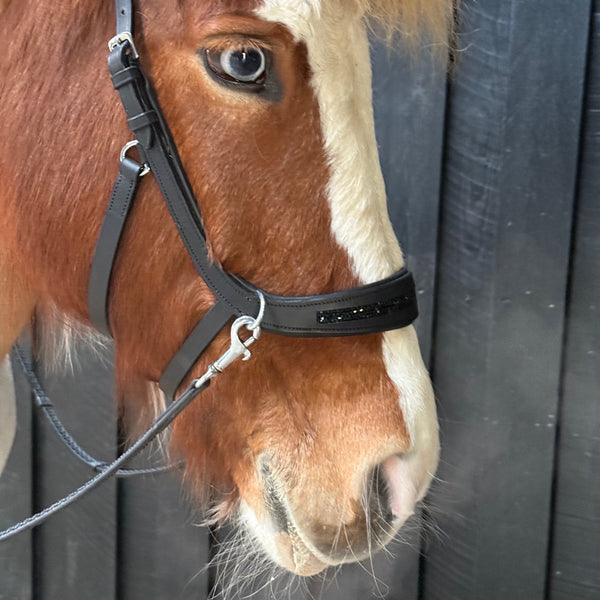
x,y
494,189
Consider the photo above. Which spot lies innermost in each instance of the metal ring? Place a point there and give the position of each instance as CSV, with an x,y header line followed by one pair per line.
x,y
255,325
145,167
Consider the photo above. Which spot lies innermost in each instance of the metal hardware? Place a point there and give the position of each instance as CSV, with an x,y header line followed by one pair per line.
x,y
146,167
238,347
121,38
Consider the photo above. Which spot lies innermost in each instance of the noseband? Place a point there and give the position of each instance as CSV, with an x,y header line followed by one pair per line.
x,y
381,306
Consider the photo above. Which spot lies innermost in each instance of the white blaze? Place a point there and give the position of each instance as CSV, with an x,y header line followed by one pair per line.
x,y
338,51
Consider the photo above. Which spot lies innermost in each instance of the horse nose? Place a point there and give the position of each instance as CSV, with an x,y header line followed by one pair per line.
x,y
387,501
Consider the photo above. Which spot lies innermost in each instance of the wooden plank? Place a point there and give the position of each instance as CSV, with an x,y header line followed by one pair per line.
x,y
409,99
76,549
162,553
575,565
512,145
392,574
15,502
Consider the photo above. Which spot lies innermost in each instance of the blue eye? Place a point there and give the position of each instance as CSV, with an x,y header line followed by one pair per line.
x,y
242,65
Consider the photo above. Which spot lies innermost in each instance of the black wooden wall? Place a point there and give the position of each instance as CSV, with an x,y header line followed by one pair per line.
x,y
494,188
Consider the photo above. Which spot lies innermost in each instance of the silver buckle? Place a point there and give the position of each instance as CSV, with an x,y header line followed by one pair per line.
x,y
120,38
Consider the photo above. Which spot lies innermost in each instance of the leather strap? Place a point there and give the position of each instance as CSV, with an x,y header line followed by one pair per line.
x,y
108,242
124,16
193,347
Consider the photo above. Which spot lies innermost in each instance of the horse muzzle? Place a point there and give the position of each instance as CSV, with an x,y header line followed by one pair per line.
x,y
305,540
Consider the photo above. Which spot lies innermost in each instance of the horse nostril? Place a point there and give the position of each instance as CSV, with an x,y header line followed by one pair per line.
x,y
378,504
378,494
373,525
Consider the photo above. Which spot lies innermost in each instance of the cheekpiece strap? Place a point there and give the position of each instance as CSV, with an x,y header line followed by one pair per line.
x,y
124,10
108,242
386,304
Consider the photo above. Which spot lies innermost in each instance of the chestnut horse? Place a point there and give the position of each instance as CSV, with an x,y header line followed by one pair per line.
x,y
269,103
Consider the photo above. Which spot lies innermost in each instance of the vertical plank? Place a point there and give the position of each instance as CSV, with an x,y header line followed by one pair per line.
x,y
392,574
162,553
76,549
575,564
15,501
512,145
409,98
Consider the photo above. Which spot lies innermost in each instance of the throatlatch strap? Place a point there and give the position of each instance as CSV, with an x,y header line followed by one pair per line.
x,y
108,242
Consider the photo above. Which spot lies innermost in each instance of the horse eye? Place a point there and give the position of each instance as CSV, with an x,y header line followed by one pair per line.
x,y
241,65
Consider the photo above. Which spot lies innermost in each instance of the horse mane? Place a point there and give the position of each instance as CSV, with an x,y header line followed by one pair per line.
x,y
414,21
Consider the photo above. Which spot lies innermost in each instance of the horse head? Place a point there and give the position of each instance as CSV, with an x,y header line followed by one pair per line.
x,y
320,447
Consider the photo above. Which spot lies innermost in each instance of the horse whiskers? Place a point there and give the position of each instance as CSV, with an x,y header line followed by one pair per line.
x,y
239,563
370,570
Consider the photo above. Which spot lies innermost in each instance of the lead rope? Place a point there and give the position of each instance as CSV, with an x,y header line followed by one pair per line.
x,y
45,404
237,349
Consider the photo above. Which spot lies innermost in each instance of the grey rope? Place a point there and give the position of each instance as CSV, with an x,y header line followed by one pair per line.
x,y
157,427
237,349
45,404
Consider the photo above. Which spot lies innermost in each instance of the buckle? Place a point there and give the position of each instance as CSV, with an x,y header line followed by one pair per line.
x,y
122,38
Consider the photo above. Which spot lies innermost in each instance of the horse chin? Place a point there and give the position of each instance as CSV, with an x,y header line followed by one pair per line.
x,y
285,547
303,544
295,556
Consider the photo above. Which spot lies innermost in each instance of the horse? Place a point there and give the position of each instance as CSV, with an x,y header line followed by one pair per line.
x,y
319,448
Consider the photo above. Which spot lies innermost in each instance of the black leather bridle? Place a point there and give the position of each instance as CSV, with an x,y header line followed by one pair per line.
x,y
387,304
381,306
